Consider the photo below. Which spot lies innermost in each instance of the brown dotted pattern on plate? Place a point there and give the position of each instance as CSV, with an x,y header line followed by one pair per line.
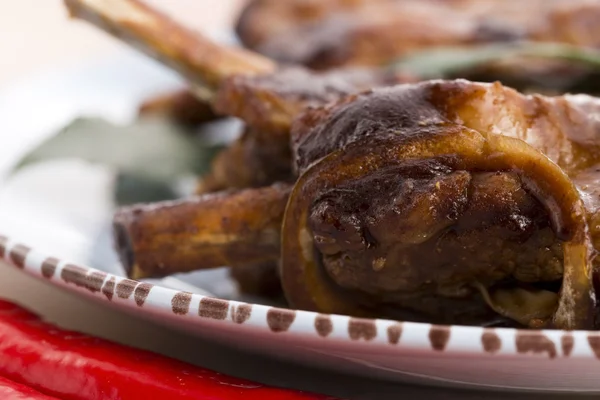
x,y
49,267
109,288
490,341
323,325
79,277
18,254
279,319
439,337
359,328
141,293
394,332
567,342
95,280
74,274
241,313
3,241
213,308
534,342
594,342
125,288
180,303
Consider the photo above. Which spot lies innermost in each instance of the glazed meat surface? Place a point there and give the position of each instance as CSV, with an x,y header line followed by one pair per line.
x,y
338,32
271,101
444,201
445,190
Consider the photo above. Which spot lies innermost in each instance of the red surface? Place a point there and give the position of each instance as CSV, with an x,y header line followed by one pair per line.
x,y
10,390
73,366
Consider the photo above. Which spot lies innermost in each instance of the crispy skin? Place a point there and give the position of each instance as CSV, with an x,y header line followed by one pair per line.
x,y
564,128
181,106
445,191
373,33
234,228
264,19
271,102
255,159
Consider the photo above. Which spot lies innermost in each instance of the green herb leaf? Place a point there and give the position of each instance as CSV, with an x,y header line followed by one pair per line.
x,y
150,156
132,189
153,148
443,61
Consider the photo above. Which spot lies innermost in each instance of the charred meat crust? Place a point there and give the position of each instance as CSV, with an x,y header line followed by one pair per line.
x,y
418,190
256,159
180,106
270,102
402,234
234,228
376,32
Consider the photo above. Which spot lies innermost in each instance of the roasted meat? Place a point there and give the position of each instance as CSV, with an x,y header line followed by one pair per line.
x,y
264,19
255,159
434,185
415,198
338,32
446,201
217,229
180,106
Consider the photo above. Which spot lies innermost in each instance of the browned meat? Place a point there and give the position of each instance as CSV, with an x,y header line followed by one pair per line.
x,y
256,159
264,19
335,32
446,190
270,102
415,200
492,179
180,106
228,228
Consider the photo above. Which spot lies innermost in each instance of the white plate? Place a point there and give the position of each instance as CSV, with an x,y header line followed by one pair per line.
x,y
63,210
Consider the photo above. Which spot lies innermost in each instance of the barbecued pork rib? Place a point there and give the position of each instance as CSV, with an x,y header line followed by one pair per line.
x,y
180,106
418,196
336,32
264,19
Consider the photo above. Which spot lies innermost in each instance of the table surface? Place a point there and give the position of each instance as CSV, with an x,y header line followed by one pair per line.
x,y
38,36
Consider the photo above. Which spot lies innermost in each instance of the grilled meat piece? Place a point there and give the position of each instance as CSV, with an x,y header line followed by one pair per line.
x,y
447,188
448,191
236,227
390,174
337,32
180,106
255,159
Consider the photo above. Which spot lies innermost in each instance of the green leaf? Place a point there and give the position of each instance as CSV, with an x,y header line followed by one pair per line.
x,y
150,148
150,156
443,61
132,189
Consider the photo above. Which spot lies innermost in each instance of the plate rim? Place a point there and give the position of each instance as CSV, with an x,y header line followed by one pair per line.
x,y
398,335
